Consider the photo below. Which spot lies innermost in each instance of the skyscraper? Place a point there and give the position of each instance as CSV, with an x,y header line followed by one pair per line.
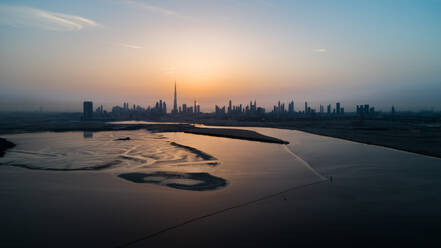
x,y
175,103
291,107
87,110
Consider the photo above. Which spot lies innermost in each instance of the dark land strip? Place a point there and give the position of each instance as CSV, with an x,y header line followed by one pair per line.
x,y
195,151
4,145
409,137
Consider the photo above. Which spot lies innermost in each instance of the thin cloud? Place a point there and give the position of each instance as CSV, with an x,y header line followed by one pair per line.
x,y
170,70
131,46
320,50
151,8
23,16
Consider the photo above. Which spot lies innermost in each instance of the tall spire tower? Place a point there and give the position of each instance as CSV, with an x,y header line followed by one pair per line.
x,y
175,103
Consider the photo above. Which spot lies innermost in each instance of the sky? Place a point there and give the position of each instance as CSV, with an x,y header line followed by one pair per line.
x,y
56,54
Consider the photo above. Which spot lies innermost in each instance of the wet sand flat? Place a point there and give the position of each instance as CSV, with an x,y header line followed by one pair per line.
x,y
270,197
99,208
99,126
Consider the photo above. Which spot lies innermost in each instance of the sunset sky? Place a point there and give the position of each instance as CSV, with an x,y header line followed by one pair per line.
x,y
55,54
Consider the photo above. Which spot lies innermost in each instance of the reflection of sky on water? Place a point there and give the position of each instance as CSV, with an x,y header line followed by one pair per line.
x,y
373,188
179,156
73,151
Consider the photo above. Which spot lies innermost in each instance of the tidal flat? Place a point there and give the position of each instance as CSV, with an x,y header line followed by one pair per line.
x,y
161,194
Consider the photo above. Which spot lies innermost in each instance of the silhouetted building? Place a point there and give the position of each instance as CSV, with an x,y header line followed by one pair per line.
x,y
196,107
175,102
337,108
365,110
291,107
220,111
100,109
87,110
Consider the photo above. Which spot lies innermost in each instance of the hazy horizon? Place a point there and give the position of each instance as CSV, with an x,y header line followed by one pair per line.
x,y
55,55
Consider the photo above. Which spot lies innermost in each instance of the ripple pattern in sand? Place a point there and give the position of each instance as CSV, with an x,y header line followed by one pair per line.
x,y
144,153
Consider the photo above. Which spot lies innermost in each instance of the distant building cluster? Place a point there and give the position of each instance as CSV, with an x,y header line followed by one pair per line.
x,y
251,110
308,110
365,109
159,109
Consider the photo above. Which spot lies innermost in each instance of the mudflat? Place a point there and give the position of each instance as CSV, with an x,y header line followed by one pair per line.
x,y
67,124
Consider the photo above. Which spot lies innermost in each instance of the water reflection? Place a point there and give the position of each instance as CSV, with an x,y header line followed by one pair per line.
x,y
124,153
87,135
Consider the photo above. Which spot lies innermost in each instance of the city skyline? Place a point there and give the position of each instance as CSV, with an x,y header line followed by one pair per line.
x,y
309,106
382,52
160,109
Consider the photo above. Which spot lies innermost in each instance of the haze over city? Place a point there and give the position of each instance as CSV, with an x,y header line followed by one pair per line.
x,y
220,123
55,55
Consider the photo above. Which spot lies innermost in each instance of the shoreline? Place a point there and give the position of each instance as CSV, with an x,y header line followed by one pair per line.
x,y
366,142
394,142
155,128
409,139
235,134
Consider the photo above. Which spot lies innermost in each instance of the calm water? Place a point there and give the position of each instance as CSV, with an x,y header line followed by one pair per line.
x,y
195,162
130,188
176,160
